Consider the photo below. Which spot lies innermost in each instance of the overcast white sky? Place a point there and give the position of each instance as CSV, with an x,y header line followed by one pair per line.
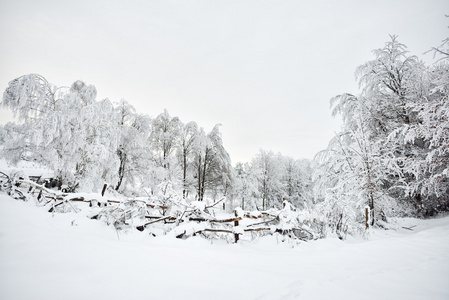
x,y
263,69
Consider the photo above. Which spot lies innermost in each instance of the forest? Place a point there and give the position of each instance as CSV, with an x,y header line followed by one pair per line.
x,y
389,159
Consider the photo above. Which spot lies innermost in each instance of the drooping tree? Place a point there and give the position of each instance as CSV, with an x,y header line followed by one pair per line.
x,y
66,129
363,166
212,163
132,151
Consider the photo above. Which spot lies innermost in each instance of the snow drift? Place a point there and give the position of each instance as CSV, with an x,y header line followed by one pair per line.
x,y
68,256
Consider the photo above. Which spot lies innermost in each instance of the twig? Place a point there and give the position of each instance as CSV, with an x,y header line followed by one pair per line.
x,y
222,198
409,228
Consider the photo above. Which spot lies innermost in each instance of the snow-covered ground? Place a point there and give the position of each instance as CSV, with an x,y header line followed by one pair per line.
x,y
68,256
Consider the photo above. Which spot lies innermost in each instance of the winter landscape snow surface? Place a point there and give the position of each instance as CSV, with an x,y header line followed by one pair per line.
x,y
68,256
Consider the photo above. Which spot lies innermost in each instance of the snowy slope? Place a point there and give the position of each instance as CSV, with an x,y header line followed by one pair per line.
x,y
68,256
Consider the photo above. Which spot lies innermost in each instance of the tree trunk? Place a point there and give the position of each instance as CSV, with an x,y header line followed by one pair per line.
x,y
198,189
366,218
121,170
204,174
371,207
104,190
236,223
184,175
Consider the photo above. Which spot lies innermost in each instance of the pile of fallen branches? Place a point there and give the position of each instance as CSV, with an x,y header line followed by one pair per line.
x,y
19,186
169,214
166,213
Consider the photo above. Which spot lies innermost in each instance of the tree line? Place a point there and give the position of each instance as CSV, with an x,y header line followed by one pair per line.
x,y
88,142
390,157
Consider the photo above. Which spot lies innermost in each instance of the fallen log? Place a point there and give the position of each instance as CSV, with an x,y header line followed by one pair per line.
x,y
79,199
42,188
249,215
215,220
142,227
265,222
114,201
216,230
257,229
152,217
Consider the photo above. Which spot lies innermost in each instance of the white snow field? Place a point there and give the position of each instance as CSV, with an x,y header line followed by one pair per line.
x,y
68,256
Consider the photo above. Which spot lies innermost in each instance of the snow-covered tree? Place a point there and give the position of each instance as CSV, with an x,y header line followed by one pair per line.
x,y
133,149
188,136
363,166
296,181
267,169
348,179
65,129
429,188
246,187
164,137
96,158
31,97
212,163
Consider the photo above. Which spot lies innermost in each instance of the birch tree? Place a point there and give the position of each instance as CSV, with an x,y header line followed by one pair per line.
x,y
63,128
268,173
133,149
188,136
212,163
